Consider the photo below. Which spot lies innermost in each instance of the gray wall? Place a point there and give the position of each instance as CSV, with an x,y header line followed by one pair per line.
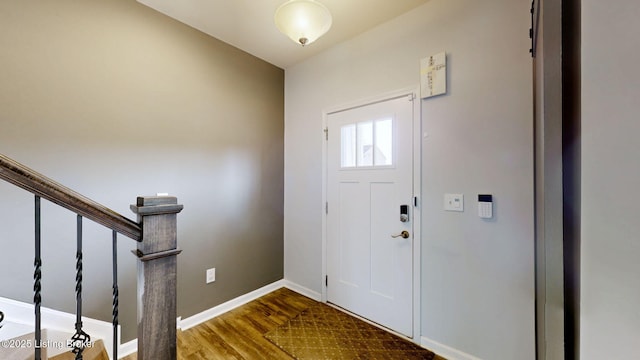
x,y
610,246
477,276
115,101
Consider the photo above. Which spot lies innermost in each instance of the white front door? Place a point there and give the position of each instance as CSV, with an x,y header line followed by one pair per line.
x,y
369,187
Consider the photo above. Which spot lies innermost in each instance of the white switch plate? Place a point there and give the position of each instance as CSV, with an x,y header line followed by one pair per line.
x,y
454,202
211,275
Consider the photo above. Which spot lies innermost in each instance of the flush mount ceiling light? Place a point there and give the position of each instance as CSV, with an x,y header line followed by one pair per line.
x,y
304,21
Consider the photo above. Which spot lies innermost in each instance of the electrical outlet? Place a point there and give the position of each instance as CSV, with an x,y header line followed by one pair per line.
x,y
211,275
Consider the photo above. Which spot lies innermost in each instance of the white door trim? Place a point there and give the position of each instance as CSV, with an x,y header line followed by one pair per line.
x,y
417,193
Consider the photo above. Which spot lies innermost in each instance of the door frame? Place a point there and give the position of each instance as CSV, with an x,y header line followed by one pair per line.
x,y
417,191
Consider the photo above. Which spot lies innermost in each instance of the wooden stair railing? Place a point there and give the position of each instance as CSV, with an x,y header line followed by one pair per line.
x,y
157,253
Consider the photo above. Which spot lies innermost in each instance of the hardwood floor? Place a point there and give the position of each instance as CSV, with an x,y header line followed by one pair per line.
x,y
238,334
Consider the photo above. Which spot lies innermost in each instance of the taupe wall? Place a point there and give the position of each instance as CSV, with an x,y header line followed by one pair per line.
x,y
115,100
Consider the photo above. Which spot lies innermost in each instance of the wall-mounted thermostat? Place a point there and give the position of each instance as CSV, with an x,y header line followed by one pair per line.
x,y
485,206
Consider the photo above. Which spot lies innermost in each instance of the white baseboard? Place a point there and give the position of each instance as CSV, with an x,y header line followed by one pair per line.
x,y
303,290
211,313
56,321
229,305
445,351
128,348
10,330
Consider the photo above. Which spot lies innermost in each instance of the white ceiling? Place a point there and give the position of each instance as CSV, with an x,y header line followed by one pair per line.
x,y
248,24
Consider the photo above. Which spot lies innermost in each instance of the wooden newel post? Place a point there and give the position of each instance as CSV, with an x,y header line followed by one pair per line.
x,y
157,277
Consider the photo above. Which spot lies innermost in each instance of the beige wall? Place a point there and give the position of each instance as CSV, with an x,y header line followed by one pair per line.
x,y
610,245
115,100
477,276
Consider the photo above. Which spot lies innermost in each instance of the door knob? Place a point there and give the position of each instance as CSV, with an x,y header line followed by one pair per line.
x,y
404,234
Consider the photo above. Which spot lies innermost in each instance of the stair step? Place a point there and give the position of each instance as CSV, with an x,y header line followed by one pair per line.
x,y
19,348
95,352
53,343
10,330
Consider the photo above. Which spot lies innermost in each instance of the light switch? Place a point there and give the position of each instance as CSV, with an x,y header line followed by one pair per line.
x,y
454,202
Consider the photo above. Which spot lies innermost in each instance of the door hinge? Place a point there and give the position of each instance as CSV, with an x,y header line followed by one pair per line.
x,y
326,280
535,6
326,207
326,133
411,97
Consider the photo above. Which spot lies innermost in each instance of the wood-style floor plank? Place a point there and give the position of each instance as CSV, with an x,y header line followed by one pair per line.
x,y
238,334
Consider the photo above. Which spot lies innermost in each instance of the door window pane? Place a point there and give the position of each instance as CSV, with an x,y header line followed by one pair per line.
x,y
384,143
367,144
348,146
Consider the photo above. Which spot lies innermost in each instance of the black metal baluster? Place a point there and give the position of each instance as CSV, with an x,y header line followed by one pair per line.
x,y
115,294
80,339
37,286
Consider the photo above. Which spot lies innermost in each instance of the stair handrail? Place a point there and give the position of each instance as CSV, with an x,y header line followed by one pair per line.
x,y
157,250
38,184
